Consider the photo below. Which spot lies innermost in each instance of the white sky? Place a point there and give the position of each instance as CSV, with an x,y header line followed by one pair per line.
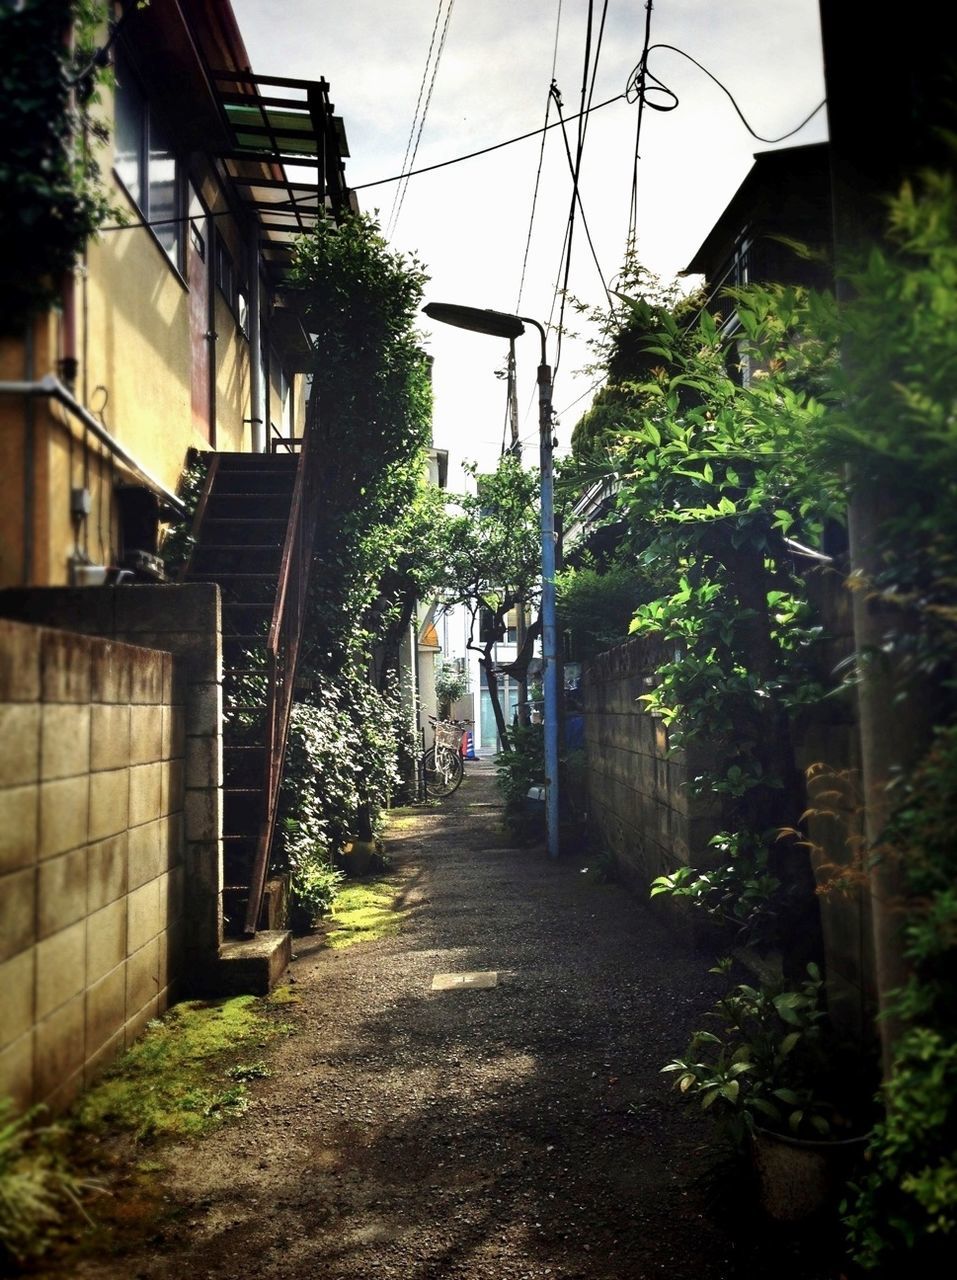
x,y
469,222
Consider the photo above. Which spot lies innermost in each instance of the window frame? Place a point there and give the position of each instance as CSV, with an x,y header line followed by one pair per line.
x,y
237,294
152,128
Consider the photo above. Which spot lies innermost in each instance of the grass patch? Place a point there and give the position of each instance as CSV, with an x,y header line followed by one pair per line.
x,y
179,1079
39,1193
363,912
283,995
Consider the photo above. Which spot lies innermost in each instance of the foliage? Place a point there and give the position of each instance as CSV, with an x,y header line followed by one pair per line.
x,y
52,200
522,765
518,768
341,762
174,1082
178,540
378,545
493,561
37,1189
742,893
770,1062
450,684
903,1213
596,605
713,478
360,301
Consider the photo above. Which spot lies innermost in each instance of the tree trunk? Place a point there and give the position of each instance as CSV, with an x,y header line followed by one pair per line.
x,y
491,681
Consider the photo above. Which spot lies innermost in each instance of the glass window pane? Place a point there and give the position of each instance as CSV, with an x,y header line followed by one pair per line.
x,y
163,202
129,132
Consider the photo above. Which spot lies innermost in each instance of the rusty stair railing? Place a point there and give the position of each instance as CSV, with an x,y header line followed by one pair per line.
x,y
282,647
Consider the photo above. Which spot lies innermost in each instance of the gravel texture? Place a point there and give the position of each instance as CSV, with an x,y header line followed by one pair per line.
x,y
512,1133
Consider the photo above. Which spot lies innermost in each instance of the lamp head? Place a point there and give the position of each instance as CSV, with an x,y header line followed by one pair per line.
x,y
499,324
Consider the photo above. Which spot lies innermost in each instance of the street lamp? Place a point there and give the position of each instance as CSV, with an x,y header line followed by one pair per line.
x,y
502,325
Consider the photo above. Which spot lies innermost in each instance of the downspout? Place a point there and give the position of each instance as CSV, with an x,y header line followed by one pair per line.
x,y
29,459
256,410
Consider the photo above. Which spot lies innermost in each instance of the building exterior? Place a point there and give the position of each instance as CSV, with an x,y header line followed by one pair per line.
x,y
170,334
135,835
783,202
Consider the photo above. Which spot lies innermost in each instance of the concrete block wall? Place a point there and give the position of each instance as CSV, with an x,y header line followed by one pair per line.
x,y
639,796
128,773
637,789
91,853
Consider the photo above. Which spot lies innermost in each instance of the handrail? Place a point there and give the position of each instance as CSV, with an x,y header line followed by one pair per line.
x,y
53,388
282,646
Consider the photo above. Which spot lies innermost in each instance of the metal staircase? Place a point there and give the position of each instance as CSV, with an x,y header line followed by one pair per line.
x,y
253,535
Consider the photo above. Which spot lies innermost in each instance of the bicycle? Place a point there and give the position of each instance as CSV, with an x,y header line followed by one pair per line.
x,y
442,768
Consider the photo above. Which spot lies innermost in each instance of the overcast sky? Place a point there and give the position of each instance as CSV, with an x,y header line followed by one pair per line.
x,y
469,222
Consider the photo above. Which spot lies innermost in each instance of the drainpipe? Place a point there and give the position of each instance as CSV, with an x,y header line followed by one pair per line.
x,y
256,409
29,458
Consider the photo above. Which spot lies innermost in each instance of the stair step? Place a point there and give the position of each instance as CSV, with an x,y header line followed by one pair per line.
x,y
230,576
256,520
256,461
230,548
255,483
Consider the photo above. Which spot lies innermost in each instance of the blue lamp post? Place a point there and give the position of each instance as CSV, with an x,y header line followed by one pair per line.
x,y
502,325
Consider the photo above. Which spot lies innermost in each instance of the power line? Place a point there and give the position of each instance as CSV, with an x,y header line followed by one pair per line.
x,y
581,210
586,95
634,91
638,79
541,157
418,103
286,205
283,206
425,109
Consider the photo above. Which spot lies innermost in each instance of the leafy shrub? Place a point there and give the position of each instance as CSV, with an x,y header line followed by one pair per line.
x,y
771,1061
518,769
904,1212
342,763
450,684
743,893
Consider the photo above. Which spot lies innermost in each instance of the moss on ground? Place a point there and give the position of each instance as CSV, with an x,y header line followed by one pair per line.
x,y
183,1076
363,912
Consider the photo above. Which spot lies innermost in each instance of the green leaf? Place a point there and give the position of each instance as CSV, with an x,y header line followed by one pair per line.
x,y
786,1095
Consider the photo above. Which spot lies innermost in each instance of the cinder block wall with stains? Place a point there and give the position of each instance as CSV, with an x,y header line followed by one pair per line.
x,y
110,822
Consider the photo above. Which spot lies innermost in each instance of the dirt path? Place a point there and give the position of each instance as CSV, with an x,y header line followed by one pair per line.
x,y
518,1131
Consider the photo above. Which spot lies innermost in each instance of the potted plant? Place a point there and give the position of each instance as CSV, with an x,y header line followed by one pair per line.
x,y
775,1074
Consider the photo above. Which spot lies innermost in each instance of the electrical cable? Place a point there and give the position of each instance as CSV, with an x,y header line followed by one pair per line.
x,y
538,175
634,89
570,237
425,109
638,77
581,210
285,205
282,206
415,113
587,92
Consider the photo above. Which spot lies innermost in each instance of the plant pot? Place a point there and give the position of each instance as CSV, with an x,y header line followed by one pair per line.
x,y
798,1177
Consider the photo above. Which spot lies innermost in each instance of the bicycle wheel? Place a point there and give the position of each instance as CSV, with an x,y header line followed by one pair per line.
x,y
442,768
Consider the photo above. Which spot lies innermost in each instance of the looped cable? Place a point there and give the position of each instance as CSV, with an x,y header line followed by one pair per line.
x,y
639,89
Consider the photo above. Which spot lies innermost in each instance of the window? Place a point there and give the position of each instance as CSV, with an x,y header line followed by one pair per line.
x,y
146,163
227,281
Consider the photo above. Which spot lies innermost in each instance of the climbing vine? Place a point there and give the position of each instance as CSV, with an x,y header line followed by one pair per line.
x,y
51,197
375,551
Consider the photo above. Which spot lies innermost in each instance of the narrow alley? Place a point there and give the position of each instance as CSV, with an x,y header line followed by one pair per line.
x,y
521,1129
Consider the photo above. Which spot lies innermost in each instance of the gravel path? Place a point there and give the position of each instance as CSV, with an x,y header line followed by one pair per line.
x,y
521,1131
